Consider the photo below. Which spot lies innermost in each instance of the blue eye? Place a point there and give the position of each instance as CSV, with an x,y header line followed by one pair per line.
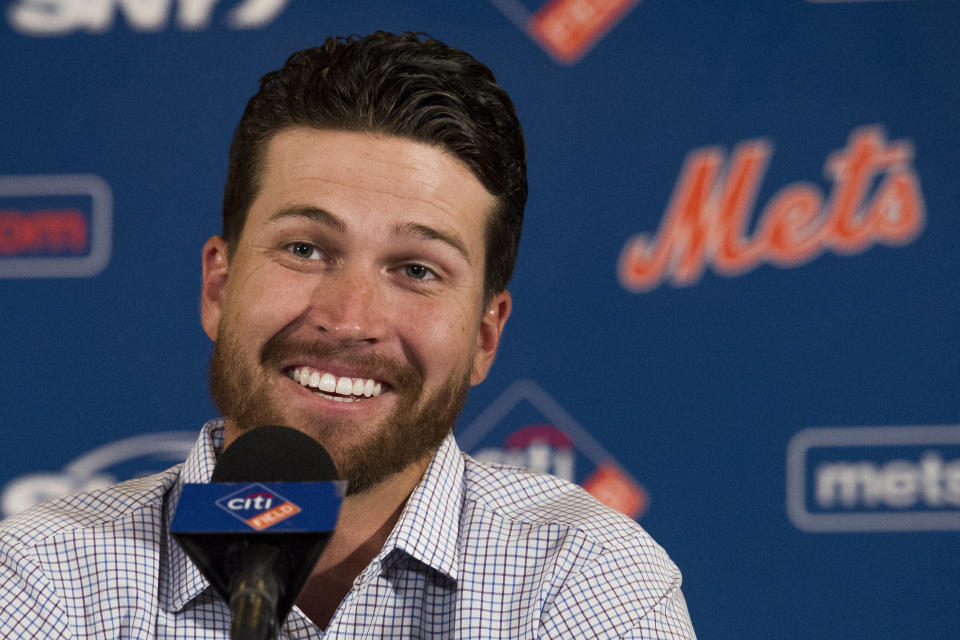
x,y
418,271
303,250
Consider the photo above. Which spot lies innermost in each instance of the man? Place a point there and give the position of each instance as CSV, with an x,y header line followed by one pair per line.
x,y
371,219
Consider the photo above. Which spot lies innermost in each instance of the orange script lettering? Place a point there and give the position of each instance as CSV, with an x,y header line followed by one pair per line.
x,y
706,221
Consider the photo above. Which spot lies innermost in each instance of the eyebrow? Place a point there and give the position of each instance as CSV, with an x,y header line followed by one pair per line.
x,y
424,232
400,230
311,213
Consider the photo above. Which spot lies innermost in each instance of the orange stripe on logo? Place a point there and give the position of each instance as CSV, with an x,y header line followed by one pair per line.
x,y
269,518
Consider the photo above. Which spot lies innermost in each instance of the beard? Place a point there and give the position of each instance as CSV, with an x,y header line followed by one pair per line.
x,y
414,430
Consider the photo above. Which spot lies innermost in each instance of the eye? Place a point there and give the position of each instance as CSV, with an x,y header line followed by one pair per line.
x,y
419,272
304,250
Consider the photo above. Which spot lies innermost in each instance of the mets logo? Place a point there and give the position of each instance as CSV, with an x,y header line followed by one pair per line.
x,y
258,506
859,479
566,29
875,199
525,427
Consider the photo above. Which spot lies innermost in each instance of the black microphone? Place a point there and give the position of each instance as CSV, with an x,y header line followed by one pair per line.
x,y
256,531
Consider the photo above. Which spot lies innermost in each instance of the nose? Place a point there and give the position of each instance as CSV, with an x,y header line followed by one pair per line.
x,y
348,306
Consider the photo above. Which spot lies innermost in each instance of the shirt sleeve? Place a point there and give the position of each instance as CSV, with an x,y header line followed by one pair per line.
x,y
29,606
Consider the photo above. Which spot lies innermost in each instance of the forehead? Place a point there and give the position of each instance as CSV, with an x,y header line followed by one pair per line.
x,y
362,173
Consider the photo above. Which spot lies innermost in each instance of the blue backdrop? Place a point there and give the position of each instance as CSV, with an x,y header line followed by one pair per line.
x,y
736,309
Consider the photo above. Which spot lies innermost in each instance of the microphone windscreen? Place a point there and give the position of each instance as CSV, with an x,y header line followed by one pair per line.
x,y
274,454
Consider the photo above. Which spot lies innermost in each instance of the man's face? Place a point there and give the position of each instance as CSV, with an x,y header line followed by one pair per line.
x,y
352,307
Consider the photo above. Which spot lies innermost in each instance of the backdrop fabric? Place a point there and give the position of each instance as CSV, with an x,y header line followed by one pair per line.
x,y
735,307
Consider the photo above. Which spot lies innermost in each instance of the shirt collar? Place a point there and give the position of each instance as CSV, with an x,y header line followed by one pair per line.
x,y
429,526
427,530
180,581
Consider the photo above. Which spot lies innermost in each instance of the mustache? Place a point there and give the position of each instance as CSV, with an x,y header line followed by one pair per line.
x,y
400,375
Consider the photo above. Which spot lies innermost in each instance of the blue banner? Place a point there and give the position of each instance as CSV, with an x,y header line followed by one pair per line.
x,y
735,308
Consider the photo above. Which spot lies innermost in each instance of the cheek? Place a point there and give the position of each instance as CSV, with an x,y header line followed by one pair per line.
x,y
442,337
262,301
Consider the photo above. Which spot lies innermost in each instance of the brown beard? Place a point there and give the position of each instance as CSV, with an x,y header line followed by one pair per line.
x,y
410,434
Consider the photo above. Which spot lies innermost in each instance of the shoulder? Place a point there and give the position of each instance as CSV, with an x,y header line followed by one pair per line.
x,y
60,556
542,500
546,507
598,570
108,507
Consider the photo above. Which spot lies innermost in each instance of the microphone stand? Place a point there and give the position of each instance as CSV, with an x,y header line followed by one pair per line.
x,y
254,592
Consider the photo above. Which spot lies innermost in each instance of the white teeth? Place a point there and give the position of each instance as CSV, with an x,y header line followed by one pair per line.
x,y
328,383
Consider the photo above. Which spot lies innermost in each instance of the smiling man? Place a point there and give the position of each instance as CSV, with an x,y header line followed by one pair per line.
x,y
352,304
371,221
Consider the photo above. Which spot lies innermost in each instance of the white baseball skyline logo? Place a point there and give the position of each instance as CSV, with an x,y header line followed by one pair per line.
x,y
95,469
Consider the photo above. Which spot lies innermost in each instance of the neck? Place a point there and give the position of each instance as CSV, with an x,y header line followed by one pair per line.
x,y
365,522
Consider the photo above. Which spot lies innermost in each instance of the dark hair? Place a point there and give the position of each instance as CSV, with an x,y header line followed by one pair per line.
x,y
399,85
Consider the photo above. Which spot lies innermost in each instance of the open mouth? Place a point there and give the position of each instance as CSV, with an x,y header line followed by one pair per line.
x,y
338,388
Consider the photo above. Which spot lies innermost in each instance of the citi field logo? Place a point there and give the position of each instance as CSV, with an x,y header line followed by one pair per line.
x,y
63,17
875,199
54,226
525,427
258,506
875,479
566,29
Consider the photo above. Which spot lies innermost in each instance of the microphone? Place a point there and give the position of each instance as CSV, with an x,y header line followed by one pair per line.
x,y
256,531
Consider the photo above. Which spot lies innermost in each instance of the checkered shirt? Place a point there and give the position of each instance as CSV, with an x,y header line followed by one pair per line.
x,y
480,551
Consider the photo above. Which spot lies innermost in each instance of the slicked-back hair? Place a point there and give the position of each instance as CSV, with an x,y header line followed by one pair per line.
x,y
398,85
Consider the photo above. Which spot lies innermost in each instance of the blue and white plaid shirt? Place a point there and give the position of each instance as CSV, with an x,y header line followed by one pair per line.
x,y
479,551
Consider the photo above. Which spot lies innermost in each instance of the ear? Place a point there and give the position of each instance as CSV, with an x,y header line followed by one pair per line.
x,y
488,338
214,284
